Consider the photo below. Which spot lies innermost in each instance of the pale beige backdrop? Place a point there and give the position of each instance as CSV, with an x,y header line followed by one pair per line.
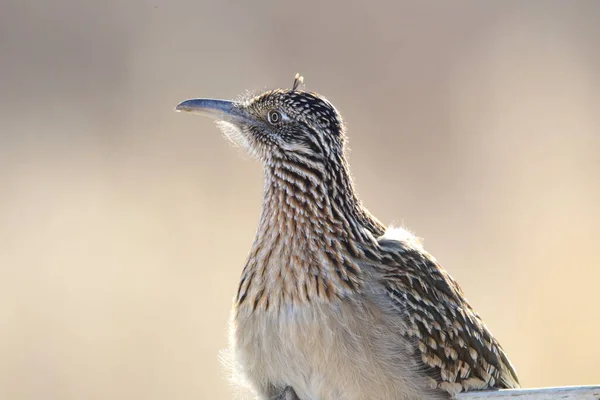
x,y
124,226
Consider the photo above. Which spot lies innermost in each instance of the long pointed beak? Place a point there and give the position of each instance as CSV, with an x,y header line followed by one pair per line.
x,y
223,110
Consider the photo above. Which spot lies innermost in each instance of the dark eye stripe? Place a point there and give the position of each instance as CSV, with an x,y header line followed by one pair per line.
x,y
321,141
314,146
313,139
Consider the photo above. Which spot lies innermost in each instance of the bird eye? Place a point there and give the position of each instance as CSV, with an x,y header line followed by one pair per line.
x,y
274,117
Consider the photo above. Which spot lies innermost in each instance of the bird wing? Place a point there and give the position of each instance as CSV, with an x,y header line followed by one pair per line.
x,y
454,345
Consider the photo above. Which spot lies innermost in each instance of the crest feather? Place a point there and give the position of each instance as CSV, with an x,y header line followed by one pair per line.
x,y
298,80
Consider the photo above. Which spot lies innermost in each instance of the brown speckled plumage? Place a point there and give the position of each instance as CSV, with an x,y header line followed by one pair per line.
x,y
332,305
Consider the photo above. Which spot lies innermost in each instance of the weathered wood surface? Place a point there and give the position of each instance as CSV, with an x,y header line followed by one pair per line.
x,y
563,393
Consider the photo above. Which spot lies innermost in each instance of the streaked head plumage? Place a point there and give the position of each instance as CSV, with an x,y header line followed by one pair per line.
x,y
279,123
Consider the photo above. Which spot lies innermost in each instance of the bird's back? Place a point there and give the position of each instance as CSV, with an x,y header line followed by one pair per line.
x,y
456,349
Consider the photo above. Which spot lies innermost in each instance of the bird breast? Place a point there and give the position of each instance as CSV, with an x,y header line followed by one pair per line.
x,y
343,349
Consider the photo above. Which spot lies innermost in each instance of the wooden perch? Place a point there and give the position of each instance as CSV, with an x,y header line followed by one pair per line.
x,y
563,393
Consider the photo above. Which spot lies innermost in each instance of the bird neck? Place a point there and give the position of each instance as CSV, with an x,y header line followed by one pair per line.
x,y
303,202
310,237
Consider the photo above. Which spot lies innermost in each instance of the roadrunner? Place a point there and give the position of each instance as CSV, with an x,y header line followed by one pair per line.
x,y
332,304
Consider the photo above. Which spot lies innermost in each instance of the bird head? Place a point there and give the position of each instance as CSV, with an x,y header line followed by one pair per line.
x,y
281,124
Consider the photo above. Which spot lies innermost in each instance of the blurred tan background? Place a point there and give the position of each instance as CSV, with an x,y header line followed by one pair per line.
x,y
124,226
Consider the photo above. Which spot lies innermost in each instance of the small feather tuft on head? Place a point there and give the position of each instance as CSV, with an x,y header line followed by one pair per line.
x,y
298,80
